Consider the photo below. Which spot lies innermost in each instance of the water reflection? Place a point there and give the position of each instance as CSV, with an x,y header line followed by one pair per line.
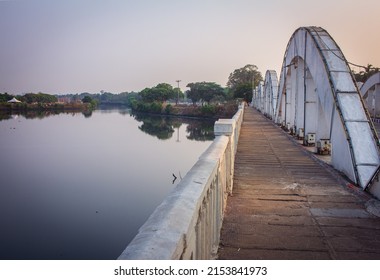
x,y
4,116
200,131
40,114
160,127
163,127
77,187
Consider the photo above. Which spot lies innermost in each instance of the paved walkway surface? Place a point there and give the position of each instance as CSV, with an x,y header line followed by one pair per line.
x,y
288,205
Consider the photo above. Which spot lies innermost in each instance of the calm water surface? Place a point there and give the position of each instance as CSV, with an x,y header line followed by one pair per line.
x,y
79,187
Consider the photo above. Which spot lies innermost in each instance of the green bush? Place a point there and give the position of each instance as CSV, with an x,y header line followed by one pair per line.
x,y
208,109
156,107
168,109
151,107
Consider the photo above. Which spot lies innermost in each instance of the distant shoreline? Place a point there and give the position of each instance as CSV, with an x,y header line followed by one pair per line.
x,y
41,110
25,107
186,111
192,111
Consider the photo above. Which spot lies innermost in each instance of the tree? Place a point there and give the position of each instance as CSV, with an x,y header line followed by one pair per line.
x,y
39,98
244,80
159,93
243,91
87,99
5,97
193,94
363,76
106,97
204,91
211,90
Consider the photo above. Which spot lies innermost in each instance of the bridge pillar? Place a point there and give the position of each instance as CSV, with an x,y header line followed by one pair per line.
x,y
226,127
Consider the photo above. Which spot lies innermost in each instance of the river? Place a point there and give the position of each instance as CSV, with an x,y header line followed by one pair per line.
x,y
77,186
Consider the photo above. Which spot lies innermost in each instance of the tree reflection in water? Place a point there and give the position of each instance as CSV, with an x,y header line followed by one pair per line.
x,y
163,127
41,114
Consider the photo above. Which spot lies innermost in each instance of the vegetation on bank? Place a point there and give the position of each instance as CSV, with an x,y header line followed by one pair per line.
x,y
203,99
225,110
208,99
43,102
58,107
242,81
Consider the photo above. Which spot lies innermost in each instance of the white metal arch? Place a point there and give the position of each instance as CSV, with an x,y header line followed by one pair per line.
x,y
370,91
258,97
317,92
270,93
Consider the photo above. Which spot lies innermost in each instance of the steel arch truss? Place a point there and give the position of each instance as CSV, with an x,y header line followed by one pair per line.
x,y
370,91
317,94
270,93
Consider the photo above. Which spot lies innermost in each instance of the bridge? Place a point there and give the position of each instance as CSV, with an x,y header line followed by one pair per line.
x,y
298,181
287,203
370,91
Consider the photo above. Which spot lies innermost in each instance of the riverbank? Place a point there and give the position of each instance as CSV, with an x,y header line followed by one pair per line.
x,y
42,109
209,111
213,111
20,107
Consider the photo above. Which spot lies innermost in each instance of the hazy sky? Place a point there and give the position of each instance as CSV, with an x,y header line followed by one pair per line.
x,y
116,46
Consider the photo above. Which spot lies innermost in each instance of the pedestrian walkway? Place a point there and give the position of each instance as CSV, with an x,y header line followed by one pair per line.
x,y
288,205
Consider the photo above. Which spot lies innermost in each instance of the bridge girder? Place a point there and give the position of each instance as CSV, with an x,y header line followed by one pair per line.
x,y
318,93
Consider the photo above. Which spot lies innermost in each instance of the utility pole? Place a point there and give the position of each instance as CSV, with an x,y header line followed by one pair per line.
x,y
178,91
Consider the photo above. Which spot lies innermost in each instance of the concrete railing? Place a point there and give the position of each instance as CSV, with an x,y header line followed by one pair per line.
x,y
187,223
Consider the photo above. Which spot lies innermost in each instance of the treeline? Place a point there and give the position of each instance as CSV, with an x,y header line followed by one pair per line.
x,y
38,98
123,98
239,86
102,98
37,103
209,95
161,98
30,98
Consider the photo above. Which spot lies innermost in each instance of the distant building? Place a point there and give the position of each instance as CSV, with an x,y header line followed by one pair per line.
x,y
64,99
14,100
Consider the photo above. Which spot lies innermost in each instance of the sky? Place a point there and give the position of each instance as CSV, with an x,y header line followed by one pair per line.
x,y
60,47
